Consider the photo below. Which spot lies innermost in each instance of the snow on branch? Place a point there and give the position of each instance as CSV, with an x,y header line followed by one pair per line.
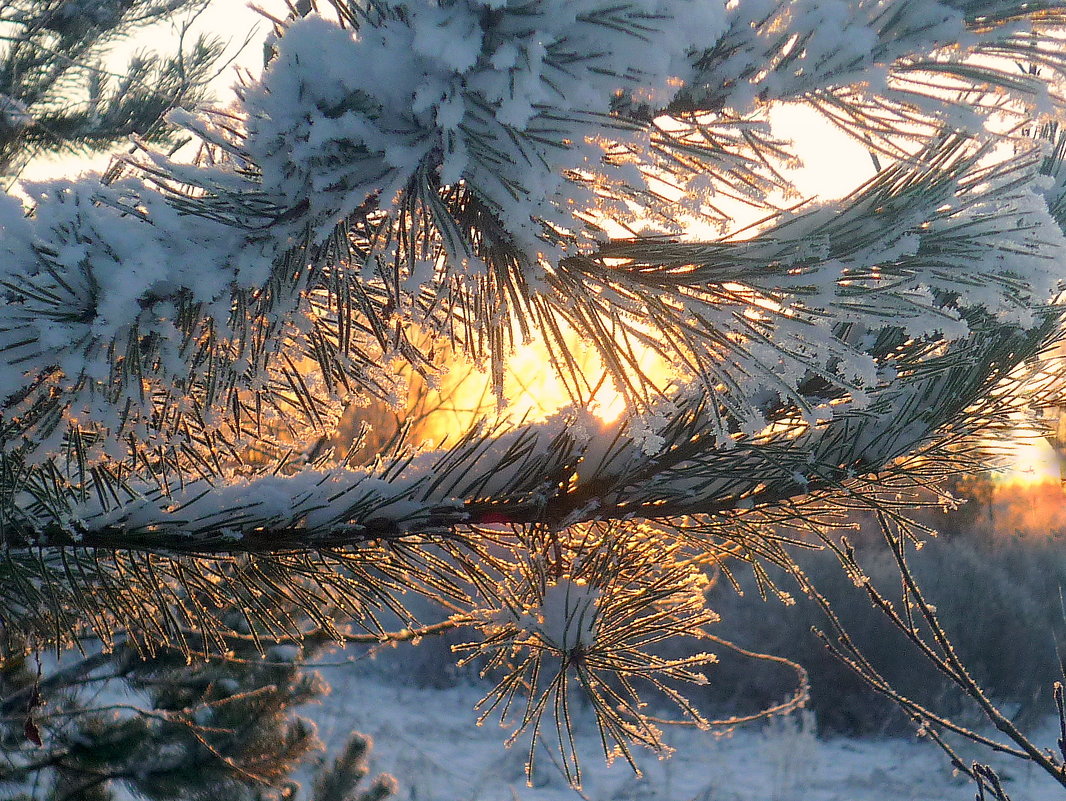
x,y
355,196
566,471
513,100
882,71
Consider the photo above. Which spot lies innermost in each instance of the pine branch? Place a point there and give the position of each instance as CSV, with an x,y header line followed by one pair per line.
x,y
67,101
784,53
557,473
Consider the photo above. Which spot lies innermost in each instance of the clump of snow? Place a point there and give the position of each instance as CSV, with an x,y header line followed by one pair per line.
x,y
646,431
96,281
512,98
568,615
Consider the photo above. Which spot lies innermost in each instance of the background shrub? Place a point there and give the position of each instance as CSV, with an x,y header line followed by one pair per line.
x,y
998,598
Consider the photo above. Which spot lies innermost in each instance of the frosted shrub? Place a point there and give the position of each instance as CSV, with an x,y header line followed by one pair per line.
x,y
790,753
999,601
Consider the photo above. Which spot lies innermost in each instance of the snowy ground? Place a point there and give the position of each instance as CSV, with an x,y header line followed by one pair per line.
x,y
427,738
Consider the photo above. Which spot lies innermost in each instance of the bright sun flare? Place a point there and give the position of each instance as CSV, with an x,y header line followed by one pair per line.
x,y
1032,460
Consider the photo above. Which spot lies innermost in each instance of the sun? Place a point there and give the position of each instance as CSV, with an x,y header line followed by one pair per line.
x,y
1032,460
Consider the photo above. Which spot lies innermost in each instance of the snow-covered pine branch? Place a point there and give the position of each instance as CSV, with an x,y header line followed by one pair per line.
x,y
344,207
873,67
568,470
468,174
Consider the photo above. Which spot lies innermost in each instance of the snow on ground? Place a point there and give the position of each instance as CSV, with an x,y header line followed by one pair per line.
x,y
428,739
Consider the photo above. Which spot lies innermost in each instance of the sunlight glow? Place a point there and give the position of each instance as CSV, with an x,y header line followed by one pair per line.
x,y
534,390
1032,461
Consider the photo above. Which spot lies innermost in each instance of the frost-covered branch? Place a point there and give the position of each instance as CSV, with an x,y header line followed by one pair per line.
x,y
417,178
882,71
569,470
348,201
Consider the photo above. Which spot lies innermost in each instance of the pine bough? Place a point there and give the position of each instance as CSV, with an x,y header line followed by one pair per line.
x,y
480,174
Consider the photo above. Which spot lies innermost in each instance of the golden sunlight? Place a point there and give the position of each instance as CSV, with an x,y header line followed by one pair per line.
x,y
1032,460
532,391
